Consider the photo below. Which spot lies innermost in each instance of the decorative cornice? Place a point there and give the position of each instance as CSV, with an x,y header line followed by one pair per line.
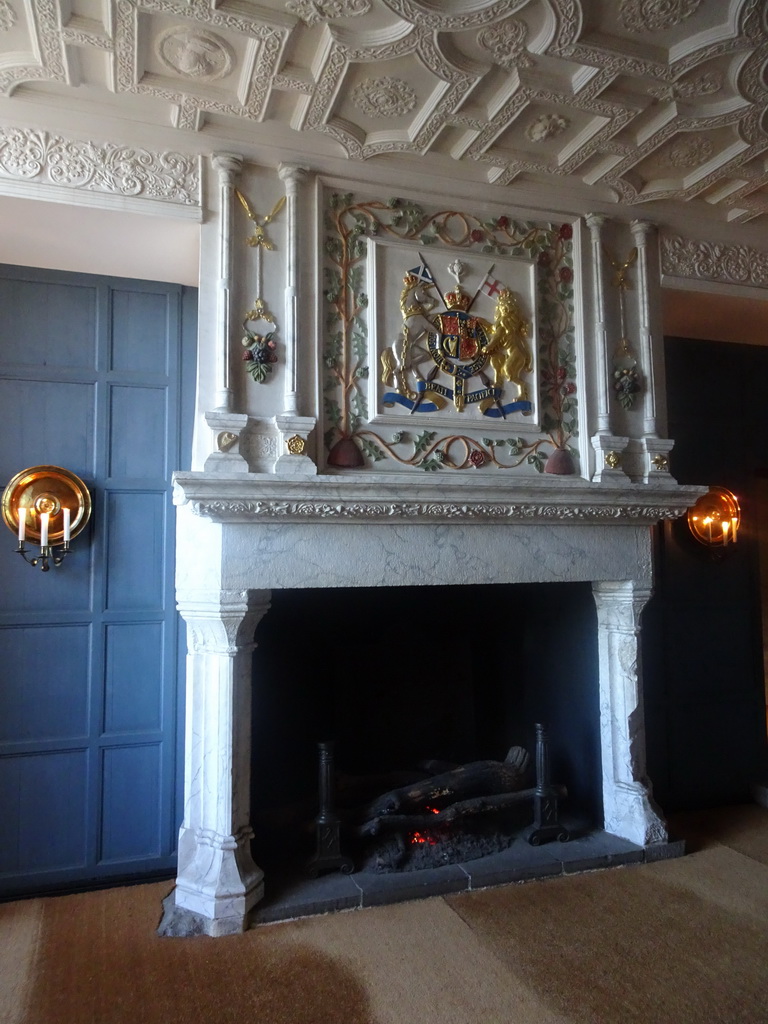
x,y
714,261
432,512
264,499
39,156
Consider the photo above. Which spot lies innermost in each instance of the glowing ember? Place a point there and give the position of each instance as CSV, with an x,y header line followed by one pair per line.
x,y
421,837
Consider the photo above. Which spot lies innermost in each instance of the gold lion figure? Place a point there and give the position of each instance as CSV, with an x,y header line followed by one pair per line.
x,y
510,354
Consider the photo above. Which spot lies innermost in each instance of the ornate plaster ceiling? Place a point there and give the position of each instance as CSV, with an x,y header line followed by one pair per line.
x,y
629,100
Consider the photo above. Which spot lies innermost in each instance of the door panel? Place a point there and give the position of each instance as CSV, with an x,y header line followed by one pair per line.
x,y
94,375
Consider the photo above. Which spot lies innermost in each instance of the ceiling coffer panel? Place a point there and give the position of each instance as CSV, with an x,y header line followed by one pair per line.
x,y
641,99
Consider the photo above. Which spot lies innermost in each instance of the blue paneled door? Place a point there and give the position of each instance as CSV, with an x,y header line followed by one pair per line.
x,y
96,375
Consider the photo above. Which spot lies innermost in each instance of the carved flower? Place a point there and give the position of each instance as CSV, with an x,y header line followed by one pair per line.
x,y
566,275
566,232
477,235
689,152
546,126
544,259
477,458
384,97
502,223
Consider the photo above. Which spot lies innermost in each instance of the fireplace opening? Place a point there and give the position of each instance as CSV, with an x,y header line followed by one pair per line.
x,y
396,677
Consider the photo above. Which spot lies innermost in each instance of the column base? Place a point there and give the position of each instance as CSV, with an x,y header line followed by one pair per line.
x,y
294,434
634,816
656,461
609,452
180,922
217,886
227,460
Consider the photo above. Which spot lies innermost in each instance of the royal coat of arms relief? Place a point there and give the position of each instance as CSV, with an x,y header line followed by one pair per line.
x,y
447,352
450,341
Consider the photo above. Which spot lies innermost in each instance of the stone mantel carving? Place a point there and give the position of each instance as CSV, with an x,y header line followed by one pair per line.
x,y
267,498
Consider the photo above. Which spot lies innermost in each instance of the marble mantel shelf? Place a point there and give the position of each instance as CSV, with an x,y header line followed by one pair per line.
x,y
381,498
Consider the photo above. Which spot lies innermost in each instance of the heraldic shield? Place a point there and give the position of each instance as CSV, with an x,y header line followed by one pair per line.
x,y
454,355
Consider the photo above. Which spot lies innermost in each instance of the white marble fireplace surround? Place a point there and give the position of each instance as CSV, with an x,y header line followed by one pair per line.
x,y
272,502
240,538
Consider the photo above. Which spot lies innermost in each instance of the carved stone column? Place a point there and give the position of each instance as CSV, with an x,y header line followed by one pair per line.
x,y
608,448
655,449
223,420
294,428
628,806
218,882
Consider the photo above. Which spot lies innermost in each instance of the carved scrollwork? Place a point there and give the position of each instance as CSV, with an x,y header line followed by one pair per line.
x,y
314,12
7,16
118,170
655,15
712,261
506,43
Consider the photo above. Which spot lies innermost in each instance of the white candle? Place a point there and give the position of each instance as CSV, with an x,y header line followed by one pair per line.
x,y
735,524
44,517
22,512
66,513
726,528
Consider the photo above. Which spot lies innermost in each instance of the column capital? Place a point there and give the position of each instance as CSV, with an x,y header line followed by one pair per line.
x,y
225,623
641,229
228,165
292,173
595,221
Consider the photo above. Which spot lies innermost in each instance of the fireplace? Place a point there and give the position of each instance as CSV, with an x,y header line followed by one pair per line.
x,y
399,676
240,539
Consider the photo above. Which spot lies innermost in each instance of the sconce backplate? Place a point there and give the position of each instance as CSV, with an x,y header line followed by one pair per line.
x,y
47,489
714,508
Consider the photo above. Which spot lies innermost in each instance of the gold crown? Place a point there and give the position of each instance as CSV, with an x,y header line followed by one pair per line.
x,y
457,300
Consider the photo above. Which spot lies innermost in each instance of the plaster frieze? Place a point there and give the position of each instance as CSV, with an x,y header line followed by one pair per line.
x,y
714,261
39,156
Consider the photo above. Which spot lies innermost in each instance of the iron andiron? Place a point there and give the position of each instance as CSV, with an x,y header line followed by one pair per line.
x,y
546,821
328,856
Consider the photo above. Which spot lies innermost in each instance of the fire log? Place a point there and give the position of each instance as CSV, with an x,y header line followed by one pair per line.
x,y
470,781
458,811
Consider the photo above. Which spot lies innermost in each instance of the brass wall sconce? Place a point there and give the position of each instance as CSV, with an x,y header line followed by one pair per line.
x,y
715,518
48,505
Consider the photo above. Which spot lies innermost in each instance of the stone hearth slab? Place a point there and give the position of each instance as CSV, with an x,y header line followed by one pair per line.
x,y
521,862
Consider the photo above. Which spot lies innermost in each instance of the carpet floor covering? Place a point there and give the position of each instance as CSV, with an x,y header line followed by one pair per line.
x,y
671,942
